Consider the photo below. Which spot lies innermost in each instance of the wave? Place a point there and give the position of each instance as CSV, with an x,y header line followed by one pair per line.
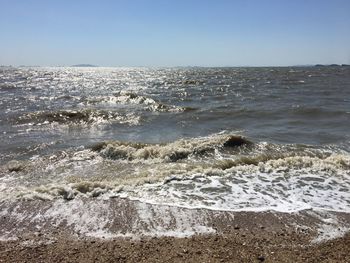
x,y
125,97
318,112
9,87
285,184
288,162
221,171
77,117
170,152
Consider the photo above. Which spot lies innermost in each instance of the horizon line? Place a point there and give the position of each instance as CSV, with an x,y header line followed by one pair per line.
x,y
82,65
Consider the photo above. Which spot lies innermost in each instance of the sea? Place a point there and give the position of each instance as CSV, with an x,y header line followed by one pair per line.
x,y
231,139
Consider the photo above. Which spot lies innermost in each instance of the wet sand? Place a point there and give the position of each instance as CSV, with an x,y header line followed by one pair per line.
x,y
240,247
131,236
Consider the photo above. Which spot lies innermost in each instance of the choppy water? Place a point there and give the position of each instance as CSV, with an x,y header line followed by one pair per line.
x,y
222,138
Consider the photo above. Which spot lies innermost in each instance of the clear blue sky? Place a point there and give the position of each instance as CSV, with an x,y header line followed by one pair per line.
x,y
174,33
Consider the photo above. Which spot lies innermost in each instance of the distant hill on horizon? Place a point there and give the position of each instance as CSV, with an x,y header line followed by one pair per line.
x,y
84,65
332,65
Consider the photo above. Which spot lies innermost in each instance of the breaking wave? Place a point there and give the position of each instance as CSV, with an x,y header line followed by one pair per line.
x,y
171,152
125,97
222,171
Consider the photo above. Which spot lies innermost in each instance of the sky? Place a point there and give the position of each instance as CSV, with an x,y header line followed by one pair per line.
x,y
174,32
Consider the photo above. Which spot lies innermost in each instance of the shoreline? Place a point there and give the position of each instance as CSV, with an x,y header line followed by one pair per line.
x,y
121,230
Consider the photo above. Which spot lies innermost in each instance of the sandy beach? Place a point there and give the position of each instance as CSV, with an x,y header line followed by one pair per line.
x,y
131,231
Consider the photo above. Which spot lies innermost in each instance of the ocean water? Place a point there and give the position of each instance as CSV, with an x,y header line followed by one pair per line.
x,y
233,139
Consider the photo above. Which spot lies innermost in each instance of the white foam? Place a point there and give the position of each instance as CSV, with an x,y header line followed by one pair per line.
x,y
329,228
96,219
319,185
170,221
126,97
90,219
7,237
329,232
